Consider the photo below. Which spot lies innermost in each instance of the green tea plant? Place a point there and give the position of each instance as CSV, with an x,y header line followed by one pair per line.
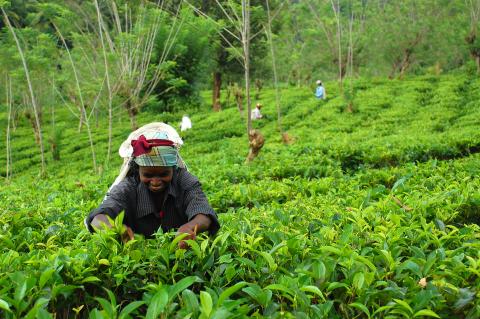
x,y
371,214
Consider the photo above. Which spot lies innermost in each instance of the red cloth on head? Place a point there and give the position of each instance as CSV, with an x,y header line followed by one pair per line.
x,y
144,146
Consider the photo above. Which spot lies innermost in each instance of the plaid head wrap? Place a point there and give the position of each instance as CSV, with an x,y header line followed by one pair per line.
x,y
157,150
148,153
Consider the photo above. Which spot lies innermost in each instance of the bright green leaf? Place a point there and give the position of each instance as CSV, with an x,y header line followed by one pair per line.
x,y
361,307
315,290
230,291
206,303
157,304
4,305
426,313
90,279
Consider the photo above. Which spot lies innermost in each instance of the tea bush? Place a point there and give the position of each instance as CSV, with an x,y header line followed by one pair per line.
x,y
372,214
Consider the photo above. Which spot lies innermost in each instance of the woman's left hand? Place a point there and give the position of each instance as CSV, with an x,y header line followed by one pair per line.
x,y
198,224
189,229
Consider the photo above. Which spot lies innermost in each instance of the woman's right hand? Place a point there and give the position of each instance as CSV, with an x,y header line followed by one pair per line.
x,y
100,221
127,235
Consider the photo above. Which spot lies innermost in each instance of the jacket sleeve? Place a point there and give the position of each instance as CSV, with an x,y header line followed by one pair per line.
x,y
114,202
196,202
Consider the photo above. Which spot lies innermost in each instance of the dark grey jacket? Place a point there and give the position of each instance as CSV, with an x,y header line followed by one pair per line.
x,y
184,200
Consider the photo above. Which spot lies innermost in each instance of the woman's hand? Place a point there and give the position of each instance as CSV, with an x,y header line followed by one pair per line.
x,y
100,221
187,229
127,235
197,225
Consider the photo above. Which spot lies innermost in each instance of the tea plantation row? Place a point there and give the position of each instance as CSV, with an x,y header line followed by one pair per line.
x,y
371,214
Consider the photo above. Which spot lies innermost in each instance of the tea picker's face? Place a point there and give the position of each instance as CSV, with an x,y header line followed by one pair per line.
x,y
156,178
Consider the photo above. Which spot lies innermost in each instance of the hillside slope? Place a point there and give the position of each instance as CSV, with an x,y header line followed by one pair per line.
x,y
367,214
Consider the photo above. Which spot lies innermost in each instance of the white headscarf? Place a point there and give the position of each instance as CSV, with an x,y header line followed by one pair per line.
x,y
126,149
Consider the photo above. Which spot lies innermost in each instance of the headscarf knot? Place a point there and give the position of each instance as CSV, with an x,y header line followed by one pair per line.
x,y
143,146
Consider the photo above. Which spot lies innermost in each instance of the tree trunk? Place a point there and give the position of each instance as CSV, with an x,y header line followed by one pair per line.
x,y
474,51
256,141
350,107
133,121
258,87
238,93
109,88
217,85
32,121
393,70
403,69
336,11
408,52
229,94
285,138
82,105
109,151
30,89
246,58
132,114
9,104
81,120
407,55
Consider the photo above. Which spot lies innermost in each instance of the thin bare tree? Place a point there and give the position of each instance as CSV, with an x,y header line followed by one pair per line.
x,y
336,12
245,36
328,32
79,91
269,34
349,65
471,38
30,90
107,77
132,42
8,90
239,19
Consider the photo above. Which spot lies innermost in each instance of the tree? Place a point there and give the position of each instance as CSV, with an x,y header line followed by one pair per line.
x,y
401,38
36,108
129,40
268,30
9,103
239,15
227,48
472,39
191,54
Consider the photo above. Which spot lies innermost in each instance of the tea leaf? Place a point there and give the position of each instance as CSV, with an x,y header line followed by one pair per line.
x,y
315,290
272,266
181,286
45,276
104,262
107,306
129,309
361,307
404,305
230,291
190,300
358,280
4,305
90,279
206,303
426,313
157,304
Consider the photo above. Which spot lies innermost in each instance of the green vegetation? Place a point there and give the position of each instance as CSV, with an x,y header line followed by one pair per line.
x,y
364,205
370,214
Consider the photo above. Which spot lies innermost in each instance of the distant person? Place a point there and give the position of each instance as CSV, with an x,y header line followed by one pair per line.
x,y
256,114
154,189
320,92
186,123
